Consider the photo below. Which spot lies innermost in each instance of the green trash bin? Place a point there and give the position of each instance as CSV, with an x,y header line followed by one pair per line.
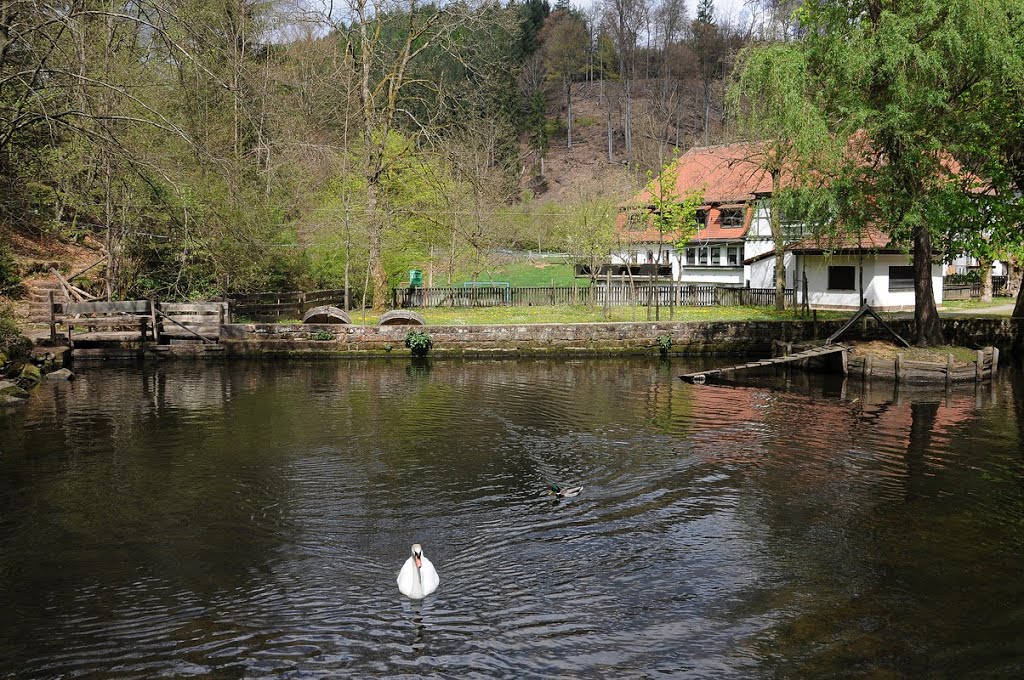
x,y
415,278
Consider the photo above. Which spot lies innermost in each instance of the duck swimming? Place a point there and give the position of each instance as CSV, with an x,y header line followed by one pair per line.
x,y
567,492
418,577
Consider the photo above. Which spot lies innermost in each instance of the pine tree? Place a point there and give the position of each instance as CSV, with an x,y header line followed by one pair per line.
x,y
705,12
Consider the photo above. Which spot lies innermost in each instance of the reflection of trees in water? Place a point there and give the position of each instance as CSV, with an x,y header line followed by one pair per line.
x,y
894,579
137,478
922,422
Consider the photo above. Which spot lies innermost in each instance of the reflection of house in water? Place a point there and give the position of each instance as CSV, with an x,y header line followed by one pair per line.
x,y
824,441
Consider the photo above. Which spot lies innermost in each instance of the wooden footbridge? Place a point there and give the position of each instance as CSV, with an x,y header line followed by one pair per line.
x,y
812,353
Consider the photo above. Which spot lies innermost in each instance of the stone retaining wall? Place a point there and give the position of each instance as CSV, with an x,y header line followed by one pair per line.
x,y
753,337
689,337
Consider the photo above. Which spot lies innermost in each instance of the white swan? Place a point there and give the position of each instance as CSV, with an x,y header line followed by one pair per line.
x,y
418,577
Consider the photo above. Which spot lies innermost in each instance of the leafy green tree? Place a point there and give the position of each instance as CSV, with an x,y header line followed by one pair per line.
x,y
789,133
590,231
670,212
900,80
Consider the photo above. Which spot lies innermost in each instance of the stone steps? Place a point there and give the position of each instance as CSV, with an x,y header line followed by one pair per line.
x,y
38,295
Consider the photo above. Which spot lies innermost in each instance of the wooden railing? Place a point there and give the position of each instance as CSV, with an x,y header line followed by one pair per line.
x,y
662,294
972,291
271,307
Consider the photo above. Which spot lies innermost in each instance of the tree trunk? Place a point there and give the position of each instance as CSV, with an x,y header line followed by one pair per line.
x,y
1018,307
378,275
775,221
568,113
1014,273
985,273
926,316
628,127
608,111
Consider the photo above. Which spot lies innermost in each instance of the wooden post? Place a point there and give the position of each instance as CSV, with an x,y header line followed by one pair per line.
x,y
607,292
845,365
152,318
899,368
949,370
302,303
220,321
995,362
53,318
869,366
979,366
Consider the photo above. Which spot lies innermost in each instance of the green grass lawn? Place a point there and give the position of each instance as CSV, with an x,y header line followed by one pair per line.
x,y
975,304
478,316
527,273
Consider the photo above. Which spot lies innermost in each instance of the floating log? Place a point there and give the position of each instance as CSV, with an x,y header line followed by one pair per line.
x,y
326,314
401,317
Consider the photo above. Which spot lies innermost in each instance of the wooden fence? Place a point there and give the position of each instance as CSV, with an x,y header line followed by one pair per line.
x,y
972,291
272,307
661,294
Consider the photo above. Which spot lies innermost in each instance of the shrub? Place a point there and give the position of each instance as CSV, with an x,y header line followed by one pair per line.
x,y
322,336
10,277
664,344
419,343
12,342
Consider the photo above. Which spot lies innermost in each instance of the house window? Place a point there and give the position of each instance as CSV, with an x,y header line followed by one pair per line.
x,y
650,256
636,221
701,218
731,218
691,256
703,255
792,226
842,278
732,255
901,278
716,256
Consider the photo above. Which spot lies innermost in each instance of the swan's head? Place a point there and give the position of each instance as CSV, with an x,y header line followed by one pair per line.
x,y
417,554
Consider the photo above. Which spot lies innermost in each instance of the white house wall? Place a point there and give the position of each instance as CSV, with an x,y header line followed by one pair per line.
x,y
759,236
876,280
761,274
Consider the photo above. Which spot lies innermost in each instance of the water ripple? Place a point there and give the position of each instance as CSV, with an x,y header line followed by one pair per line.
x,y
249,520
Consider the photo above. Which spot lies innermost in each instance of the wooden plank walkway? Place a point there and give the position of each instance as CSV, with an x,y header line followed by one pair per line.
x,y
701,376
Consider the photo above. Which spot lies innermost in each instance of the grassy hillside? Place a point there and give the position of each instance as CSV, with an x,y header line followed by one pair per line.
x,y
529,273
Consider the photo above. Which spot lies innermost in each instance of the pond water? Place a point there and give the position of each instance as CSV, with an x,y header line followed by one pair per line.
x,y
248,520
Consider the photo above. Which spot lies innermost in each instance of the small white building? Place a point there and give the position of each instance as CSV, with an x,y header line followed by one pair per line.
x,y
846,272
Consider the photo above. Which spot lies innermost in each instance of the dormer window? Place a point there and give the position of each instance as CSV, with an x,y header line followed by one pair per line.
x,y
636,221
731,218
701,219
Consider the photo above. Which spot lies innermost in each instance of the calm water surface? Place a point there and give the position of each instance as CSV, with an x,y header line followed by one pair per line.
x,y
248,520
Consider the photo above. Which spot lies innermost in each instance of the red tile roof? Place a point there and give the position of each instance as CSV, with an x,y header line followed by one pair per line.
x,y
728,176
714,231
871,239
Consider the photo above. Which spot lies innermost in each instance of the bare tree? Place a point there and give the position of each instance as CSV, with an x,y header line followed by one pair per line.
x,y
563,44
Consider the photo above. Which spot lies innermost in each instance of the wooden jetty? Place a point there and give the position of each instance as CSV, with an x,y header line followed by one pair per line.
x,y
812,353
